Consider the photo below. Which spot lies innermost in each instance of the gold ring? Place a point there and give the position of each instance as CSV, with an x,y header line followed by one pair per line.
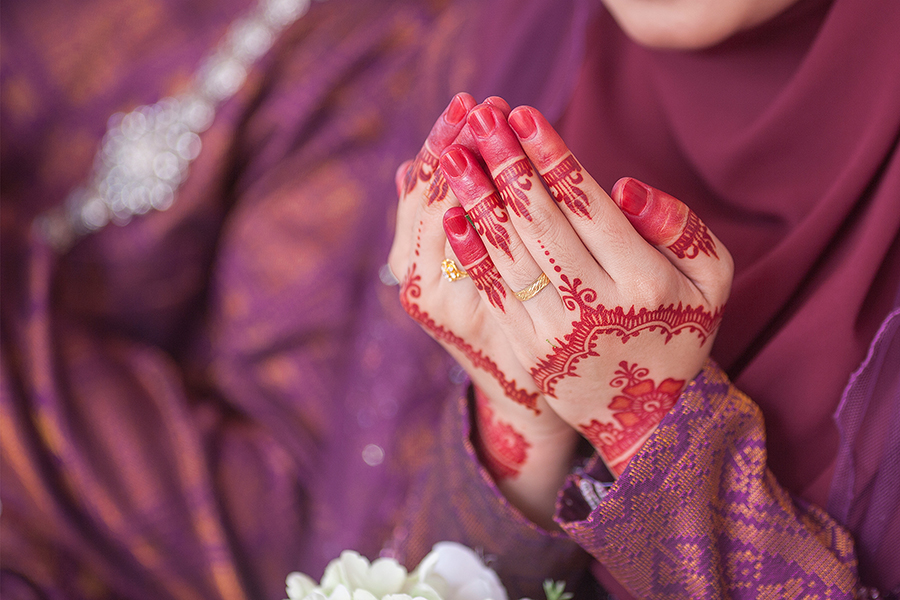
x,y
532,290
451,270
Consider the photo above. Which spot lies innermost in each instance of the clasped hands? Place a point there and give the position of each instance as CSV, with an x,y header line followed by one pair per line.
x,y
620,295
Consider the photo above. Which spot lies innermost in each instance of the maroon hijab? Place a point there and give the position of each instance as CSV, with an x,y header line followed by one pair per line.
x,y
784,140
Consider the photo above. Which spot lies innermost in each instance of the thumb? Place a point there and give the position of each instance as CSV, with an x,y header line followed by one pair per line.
x,y
677,232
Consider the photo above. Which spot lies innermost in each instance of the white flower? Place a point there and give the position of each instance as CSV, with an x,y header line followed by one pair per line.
x,y
299,586
456,572
380,578
450,571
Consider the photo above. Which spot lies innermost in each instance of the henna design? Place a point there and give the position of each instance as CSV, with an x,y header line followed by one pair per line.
x,y
487,279
512,183
694,239
639,409
562,181
486,217
409,291
597,320
504,450
421,169
437,189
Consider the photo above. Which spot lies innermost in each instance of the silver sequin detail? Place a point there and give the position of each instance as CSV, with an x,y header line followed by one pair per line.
x,y
146,154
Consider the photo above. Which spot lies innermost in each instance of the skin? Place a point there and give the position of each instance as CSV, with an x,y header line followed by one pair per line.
x,y
690,24
620,293
458,315
637,288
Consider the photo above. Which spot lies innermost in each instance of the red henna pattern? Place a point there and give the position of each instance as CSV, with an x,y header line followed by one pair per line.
x,y
504,450
639,409
487,217
487,279
437,189
694,239
421,169
562,181
409,290
513,183
597,320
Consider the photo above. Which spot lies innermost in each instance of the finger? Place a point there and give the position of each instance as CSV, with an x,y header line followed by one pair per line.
x,y
498,103
437,190
679,234
400,175
465,137
445,130
420,172
482,202
474,258
538,220
599,223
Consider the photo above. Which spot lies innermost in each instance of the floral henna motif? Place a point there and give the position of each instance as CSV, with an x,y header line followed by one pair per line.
x,y
639,408
694,239
598,320
421,169
503,450
487,279
513,183
437,189
409,291
487,217
562,181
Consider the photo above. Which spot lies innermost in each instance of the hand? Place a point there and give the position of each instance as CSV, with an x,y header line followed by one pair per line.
x,y
525,445
637,286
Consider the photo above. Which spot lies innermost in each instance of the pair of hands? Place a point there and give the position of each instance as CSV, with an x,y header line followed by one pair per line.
x,y
636,288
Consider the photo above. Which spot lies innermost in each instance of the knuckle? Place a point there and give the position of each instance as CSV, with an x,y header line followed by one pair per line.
x,y
544,227
649,288
724,277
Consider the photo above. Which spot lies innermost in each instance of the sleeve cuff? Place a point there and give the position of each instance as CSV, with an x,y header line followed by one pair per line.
x,y
697,513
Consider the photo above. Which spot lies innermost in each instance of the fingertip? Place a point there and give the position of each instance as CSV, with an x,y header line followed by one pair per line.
x,y
449,123
523,123
630,195
455,222
455,160
657,216
544,146
458,108
482,120
463,238
498,103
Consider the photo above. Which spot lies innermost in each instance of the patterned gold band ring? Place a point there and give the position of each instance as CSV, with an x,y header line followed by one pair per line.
x,y
532,290
452,271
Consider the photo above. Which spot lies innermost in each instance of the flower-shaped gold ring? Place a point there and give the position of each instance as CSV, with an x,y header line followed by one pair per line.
x,y
452,270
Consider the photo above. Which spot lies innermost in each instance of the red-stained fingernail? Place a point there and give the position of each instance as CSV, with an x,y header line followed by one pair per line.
x,y
481,120
501,104
523,124
456,111
455,222
634,197
454,162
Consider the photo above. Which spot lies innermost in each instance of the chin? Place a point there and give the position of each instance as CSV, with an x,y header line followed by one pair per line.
x,y
690,24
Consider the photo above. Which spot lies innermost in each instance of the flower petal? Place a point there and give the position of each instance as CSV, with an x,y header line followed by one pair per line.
x,y
386,576
299,585
458,566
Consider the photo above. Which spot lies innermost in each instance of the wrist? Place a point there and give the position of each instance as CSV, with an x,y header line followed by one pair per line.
x,y
528,456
